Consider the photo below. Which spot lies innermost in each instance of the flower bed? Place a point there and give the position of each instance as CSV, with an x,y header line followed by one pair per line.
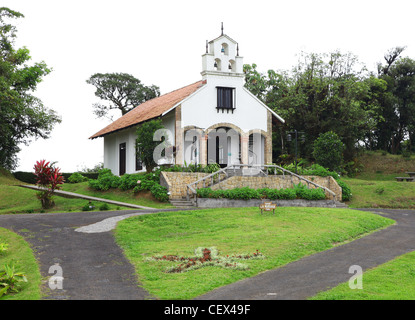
x,y
207,257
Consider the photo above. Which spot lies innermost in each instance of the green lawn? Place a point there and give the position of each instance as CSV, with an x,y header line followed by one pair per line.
x,y
394,280
376,186
382,191
20,254
143,198
15,199
285,237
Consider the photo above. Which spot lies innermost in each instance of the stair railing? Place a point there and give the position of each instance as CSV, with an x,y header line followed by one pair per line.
x,y
265,169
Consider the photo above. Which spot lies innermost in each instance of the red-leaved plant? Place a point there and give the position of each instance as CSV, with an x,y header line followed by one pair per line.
x,y
49,179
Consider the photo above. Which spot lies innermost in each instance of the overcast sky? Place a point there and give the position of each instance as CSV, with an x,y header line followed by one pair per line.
x,y
161,42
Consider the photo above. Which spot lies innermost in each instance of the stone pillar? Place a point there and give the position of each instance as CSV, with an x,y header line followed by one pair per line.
x,y
203,149
244,148
179,136
268,140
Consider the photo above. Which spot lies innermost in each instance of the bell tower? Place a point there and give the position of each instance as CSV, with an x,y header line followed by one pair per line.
x,y
222,58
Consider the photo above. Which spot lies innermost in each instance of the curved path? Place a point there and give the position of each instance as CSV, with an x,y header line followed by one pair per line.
x,y
319,272
94,267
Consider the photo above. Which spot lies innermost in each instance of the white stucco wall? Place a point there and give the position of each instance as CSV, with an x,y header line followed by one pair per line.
x,y
168,122
128,136
200,109
112,147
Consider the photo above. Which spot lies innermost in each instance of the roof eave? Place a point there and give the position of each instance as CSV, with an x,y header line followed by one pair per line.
x,y
265,106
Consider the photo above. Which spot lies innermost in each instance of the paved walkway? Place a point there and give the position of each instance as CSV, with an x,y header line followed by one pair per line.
x,y
94,267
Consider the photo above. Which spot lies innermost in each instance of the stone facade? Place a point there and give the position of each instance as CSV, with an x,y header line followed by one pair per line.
x,y
176,183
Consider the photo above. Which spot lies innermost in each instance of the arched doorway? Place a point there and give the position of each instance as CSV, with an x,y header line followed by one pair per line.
x,y
256,148
192,145
224,146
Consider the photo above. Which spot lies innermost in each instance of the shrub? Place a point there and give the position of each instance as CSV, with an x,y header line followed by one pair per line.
x,y
49,179
272,194
328,150
346,191
287,194
27,177
245,193
211,167
3,247
204,193
105,181
302,192
77,177
10,279
129,181
380,190
159,192
104,207
318,170
88,207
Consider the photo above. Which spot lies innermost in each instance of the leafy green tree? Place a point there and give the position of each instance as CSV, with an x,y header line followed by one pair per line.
x,y
323,92
123,91
328,151
22,116
398,104
151,138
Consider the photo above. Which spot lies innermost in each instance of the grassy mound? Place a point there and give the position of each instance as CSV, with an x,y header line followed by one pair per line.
x,y
376,187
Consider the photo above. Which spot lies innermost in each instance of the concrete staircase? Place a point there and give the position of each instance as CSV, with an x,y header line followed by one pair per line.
x,y
341,205
242,170
181,203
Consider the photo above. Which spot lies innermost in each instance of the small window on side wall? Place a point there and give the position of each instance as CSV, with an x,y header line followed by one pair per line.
x,y
226,99
138,162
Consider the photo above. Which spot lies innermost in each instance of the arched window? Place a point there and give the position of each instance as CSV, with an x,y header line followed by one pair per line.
x,y
232,65
224,49
217,65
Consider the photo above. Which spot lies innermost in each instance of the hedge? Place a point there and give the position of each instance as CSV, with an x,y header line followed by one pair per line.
x,y
29,177
246,193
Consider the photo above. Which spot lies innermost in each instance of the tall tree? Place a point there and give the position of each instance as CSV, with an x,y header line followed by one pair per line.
x,y
22,116
398,104
323,92
123,91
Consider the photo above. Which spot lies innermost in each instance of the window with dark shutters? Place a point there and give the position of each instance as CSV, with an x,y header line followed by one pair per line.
x,y
226,99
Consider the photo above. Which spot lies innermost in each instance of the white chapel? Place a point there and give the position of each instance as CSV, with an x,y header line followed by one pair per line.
x,y
214,120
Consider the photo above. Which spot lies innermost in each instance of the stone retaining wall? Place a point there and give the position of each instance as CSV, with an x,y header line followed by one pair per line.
x,y
176,183
229,203
279,182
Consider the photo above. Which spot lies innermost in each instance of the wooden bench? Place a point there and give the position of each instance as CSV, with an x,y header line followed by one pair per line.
x,y
268,206
409,179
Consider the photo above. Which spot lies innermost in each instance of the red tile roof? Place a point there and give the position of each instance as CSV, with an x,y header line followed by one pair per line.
x,y
150,109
